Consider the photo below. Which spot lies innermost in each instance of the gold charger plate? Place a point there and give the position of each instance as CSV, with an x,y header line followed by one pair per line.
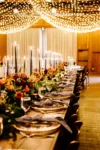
x,y
43,128
50,108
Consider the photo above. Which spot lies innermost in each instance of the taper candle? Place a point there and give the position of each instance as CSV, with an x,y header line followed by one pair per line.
x,y
24,65
15,57
30,60
39,59
7,65
45,60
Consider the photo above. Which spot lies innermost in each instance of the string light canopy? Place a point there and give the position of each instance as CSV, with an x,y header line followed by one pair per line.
x,y
16,15
70,15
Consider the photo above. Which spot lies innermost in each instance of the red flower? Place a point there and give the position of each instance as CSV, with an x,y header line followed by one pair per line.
x,y
19,94
23,76
26,89
31,85
15,76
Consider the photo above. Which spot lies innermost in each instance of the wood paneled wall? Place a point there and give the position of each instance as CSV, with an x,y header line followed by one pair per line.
x,y
3,46
90,41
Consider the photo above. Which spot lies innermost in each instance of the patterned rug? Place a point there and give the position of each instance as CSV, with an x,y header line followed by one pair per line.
x,y
89,114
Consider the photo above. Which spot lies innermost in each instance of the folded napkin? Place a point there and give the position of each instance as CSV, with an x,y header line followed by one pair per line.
x,y
24,119
27,119
60,102
48,102
61,86
64,82
68,93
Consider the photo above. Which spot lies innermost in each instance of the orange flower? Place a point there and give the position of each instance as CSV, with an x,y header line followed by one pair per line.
x,y
36,79
19,94
10,87
2,81
26,89
36,74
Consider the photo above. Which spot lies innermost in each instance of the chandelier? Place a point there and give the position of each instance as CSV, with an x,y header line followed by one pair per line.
x,y
16,16
70,15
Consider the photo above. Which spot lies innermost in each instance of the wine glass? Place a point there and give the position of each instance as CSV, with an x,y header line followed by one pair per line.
x,y
25,103
1,125
41,92
3,93
49,85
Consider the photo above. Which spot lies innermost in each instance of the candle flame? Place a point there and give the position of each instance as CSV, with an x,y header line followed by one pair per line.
x,y
31,48
24,57
15,43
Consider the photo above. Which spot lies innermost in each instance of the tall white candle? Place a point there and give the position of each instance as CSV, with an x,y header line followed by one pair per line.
x,y
31,58
39,58
15,54
24,63
7,65
18,57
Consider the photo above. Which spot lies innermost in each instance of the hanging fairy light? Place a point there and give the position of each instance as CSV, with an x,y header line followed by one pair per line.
x,y
16,16
70,15
73,15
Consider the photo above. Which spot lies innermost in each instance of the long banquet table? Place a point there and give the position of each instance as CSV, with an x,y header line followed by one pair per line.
x,y
35,142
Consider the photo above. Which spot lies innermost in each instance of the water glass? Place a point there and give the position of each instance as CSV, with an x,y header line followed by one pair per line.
x,y
1,125
3,93
25,103
41,92
49,85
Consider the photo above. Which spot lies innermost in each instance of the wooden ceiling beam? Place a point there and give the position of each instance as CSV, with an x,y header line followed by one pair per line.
x,y
42,24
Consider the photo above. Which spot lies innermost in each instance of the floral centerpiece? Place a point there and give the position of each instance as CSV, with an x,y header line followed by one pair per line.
x,y
12,88
18,85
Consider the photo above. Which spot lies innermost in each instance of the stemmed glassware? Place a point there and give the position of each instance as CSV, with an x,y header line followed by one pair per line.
x,y
49,85
25,103
1,125
3,93
41,92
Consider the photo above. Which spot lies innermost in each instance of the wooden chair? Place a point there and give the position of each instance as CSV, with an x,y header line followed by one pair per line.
x,y
71,110
76,129
74,108
73,118
78,124
74,99
73,145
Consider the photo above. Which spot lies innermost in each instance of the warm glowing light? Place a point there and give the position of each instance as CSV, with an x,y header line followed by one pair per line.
x,y
70,15
16,16
53,11
76,15
15,11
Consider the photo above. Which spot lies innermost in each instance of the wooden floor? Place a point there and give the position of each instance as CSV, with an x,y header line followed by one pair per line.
x,y
89,113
